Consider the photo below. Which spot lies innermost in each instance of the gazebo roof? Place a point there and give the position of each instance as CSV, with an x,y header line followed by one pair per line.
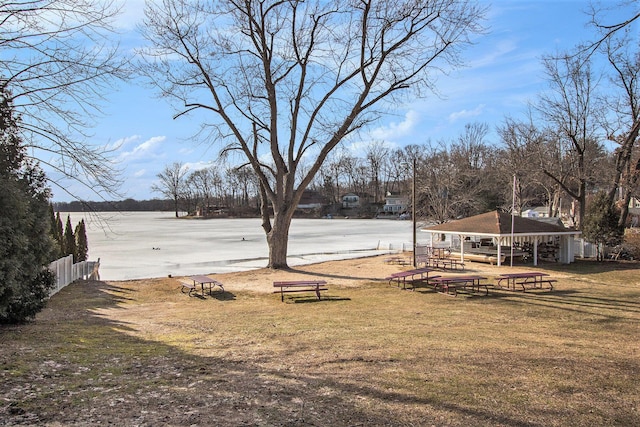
x,y
496,223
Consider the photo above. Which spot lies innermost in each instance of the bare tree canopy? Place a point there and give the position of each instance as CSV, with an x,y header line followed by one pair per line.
x,y
606,29
172,181
56,64
287,80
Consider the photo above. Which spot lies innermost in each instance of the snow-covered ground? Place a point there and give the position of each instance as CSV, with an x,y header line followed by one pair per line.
x,y
135,245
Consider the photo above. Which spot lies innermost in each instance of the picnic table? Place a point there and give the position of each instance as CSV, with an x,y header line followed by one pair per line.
x,y
300,286
202,281
414,276
530,279
397,260
449,285
444,263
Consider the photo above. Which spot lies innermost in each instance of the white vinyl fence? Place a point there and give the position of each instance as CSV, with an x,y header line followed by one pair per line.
x,y
584,249
67,272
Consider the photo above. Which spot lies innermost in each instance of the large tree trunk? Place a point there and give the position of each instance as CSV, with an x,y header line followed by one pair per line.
x,y
278,240
276,230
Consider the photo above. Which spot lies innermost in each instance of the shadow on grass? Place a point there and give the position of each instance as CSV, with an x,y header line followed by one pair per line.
x,y
332,276
578,302
585,266
223,296
312,299
86,369
79,366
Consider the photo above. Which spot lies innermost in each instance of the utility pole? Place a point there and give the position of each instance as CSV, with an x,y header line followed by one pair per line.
x,y
413,212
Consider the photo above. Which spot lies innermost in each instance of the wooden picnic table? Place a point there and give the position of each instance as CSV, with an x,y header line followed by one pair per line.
x,y
530,279
446,284
300,286
444,263
397,260
203,281
417,275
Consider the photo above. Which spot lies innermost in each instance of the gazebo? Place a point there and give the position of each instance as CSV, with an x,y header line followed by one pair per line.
x,y
496,227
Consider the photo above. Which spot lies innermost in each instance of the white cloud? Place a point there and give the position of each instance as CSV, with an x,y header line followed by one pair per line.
x,y
359,148
465,114
395,130
499,51
196,166
143,150
122,142
141,172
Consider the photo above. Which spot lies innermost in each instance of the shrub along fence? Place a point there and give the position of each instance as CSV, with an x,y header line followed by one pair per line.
x,y
67,272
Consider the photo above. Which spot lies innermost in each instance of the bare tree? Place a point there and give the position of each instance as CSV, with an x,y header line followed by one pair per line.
x,y
436,185
471,159
572,112
289,80
623,124
172,182
523,155
243,180
607,29
57,64
206,183
377,153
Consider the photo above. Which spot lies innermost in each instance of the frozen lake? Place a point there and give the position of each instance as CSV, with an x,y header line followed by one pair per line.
x,y
134,245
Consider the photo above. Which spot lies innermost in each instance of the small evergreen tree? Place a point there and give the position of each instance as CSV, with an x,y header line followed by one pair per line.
x,y
60,235
55,232
69,240
82,247
601,224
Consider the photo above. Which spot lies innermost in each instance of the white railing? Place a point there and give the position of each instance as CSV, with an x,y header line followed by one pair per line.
x,y
581,248
67,272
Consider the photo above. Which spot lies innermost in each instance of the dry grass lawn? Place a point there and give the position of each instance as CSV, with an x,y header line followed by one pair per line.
x,y
369,354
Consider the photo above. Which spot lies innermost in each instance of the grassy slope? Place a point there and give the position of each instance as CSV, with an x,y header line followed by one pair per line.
x,y
145,354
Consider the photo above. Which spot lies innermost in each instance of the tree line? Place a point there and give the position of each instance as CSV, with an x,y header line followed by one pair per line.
x,y
465,176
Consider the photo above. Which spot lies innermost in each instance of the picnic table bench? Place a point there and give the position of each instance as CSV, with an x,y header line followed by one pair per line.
x,y
187,285
449,285
300,286
418,275
191,283
528,279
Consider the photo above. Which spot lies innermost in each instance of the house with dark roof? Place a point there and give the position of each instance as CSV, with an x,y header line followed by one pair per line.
x,y
503,230
311,199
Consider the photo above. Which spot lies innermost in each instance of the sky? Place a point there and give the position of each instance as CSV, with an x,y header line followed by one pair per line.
x,y
502,75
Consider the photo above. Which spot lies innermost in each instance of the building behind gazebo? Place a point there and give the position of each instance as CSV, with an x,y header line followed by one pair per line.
x,y
492,235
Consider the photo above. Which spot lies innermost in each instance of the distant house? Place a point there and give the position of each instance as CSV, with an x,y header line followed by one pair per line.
x,y
350,200
538,212
211,211
395,204
311,199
